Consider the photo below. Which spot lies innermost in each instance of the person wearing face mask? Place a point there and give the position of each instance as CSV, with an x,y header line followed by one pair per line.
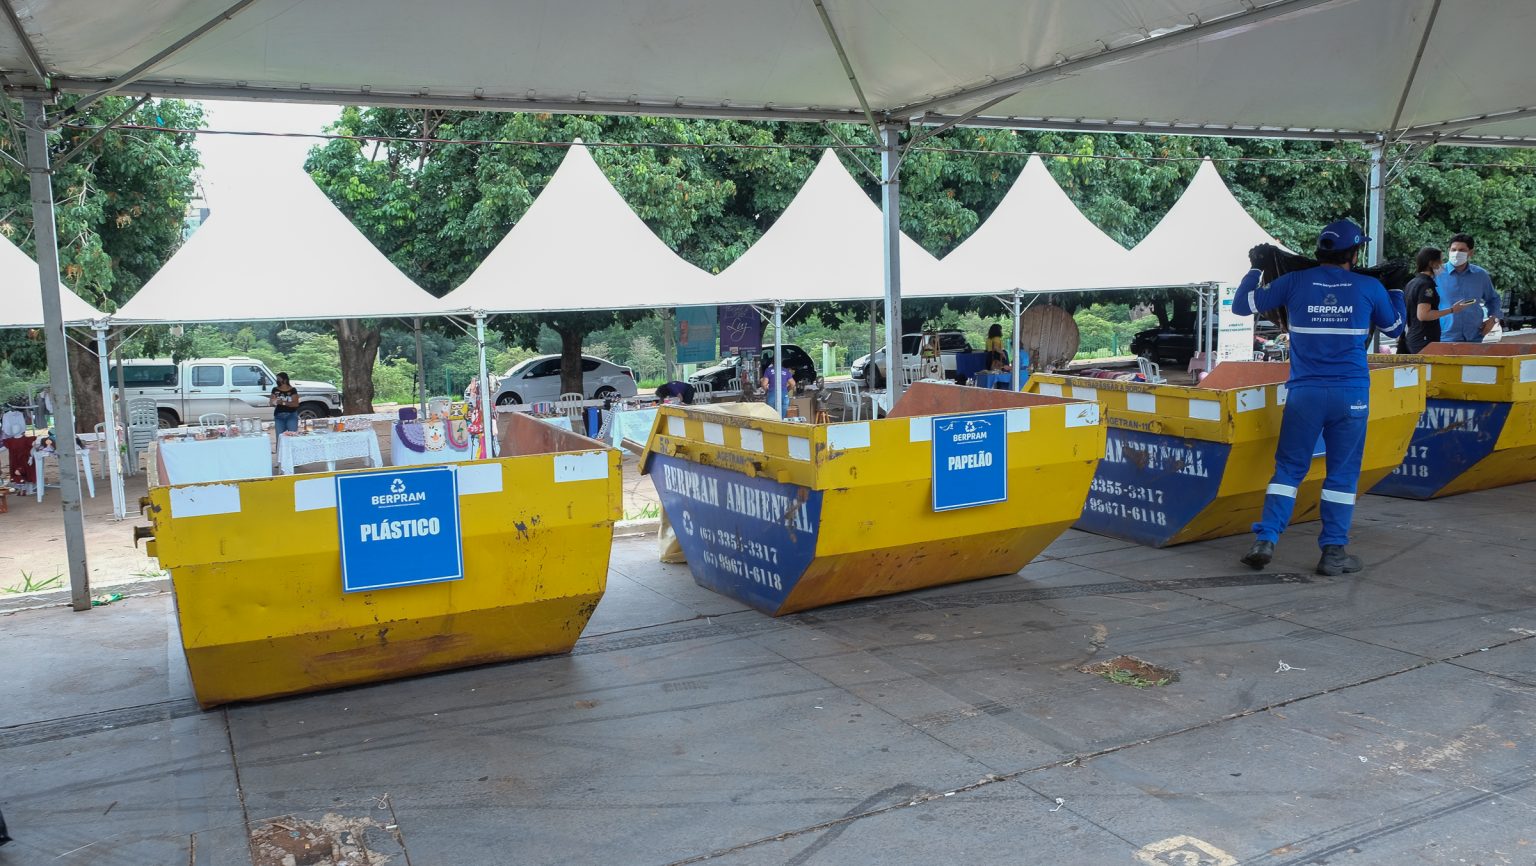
x,y
1422,297
1331,311
1463,281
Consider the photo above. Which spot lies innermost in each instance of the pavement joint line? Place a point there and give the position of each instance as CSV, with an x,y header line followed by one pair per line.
x,y
234,767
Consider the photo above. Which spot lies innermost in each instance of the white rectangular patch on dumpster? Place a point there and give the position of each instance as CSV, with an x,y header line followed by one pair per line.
x,y
1281,392
1250,399
1479,375
313,494
920,429
1405,377
714,434
752,440
1082,393
588,466
1050,389
1141,402
480,478
846,437
676,426
1528,371
1083,415
1205,410
799,447
205,500
1018,421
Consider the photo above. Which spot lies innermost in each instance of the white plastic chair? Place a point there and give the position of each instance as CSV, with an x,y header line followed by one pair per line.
x,y
87,470
703,392
213,419
1150,371
143,427
569,405
853,399
911,371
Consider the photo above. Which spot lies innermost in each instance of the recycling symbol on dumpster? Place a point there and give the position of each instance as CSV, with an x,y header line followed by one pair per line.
x,y
687,523
397,486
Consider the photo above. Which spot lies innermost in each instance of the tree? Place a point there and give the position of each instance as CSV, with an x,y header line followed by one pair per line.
x,y
121,203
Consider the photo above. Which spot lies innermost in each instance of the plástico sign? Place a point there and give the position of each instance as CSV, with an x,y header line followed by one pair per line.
x,y
399,527
970,460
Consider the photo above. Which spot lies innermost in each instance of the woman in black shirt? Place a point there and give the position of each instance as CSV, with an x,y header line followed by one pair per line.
x,y
1423,302
285,403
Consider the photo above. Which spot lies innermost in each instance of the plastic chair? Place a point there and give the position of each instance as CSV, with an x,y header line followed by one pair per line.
x,y
705,390
1150,371
213,419
570,406
87,470
143,427
911,371
853,399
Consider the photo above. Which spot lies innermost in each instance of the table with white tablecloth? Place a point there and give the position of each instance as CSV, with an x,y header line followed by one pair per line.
x,y
327,448
200,461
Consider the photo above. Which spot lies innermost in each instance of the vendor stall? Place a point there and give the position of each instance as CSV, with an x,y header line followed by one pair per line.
x,y
189,460
301,449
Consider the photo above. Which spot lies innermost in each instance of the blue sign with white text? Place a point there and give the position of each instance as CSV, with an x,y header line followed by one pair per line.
x,y
970,460
1451,437
399,527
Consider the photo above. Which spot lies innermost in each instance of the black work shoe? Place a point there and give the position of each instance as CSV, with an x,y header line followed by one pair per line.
x,y
1259,554
1337,561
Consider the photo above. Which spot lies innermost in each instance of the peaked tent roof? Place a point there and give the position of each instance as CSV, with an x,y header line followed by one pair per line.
x,y
1003,253
279,251
21,294
828,245
580,247
1204,237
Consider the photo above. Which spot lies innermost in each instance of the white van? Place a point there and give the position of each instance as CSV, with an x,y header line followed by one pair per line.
x,y
233,387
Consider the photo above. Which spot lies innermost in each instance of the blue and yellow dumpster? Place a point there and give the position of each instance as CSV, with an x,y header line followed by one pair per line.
x,y
956,484
258,572
1478,429
1186,463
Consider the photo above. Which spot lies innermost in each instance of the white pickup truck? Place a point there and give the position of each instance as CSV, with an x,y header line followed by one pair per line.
x,y
233,387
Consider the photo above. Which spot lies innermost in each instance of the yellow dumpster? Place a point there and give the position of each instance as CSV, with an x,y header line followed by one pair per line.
x,y
1478,429
1186,463
956,484
259,566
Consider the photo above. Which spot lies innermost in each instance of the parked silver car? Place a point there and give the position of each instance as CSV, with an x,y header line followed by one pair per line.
x,y
538,379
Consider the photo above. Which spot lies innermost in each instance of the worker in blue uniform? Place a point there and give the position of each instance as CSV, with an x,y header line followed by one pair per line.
x,y
1331,310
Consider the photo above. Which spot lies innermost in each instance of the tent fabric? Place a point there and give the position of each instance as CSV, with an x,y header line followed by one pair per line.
x,y
1280,65
1036,240
279,250
828,245
21,296
1204,237
580,247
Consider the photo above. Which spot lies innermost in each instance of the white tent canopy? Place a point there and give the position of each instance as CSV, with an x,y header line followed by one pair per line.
x,y
279,250
1204,237
1036,241
1301,67
827,246
21,301
580,247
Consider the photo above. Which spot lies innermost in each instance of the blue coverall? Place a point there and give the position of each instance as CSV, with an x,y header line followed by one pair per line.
x,y
1331,312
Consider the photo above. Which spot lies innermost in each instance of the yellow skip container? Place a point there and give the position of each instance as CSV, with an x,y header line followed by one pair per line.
x,y
1186,463
1478,429
256,566
786,516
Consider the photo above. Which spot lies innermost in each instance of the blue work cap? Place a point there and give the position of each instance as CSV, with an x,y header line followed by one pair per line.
x,y
1340,235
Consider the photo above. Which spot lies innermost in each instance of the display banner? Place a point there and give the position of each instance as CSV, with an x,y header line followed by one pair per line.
x,y
741,327
696,334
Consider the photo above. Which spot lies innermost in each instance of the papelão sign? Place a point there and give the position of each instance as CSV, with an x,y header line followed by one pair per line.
x,y
970,460
399,527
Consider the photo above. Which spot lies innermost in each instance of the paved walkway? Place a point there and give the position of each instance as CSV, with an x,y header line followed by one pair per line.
x,y
948,726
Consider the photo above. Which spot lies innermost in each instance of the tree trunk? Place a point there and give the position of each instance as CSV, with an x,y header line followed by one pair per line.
x,y
85,381
359,342
1184,311
1160,310
570,361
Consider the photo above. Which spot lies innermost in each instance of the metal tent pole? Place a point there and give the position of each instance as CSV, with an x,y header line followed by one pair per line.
x,y
869,378
132,463
890,210
1212,320
109,450
778,353
1376,206
47,240
488,420
1014,358
421,372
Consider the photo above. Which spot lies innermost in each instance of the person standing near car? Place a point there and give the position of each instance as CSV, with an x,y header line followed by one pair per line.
x,y
1331,310
284,401
1422,298
1462,281
778,385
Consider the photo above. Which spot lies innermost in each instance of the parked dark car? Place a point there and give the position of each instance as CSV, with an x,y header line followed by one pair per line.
x,y
722,375
1170,345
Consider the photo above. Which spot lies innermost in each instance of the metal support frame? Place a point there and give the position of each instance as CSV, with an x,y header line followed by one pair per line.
x,y
46,237
34,59
778,353
1376,205
109,450
1212,316
487,417
97,135
421,371
890,212
842,56
1018,314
